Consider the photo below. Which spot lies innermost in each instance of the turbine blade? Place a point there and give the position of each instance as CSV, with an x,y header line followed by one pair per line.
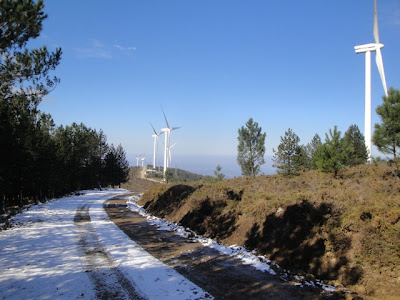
x,y
174,128
153,129
375,29
165,117
379,64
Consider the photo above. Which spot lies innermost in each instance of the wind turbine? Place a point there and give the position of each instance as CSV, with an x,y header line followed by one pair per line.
x,y
167,131
137,160
143,159
367,49
155,136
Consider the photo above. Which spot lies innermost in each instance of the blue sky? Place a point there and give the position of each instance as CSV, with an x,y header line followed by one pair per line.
x,y
214,64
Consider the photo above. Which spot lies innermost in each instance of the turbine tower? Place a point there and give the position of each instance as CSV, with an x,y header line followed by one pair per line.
x,y
143,159
155,136
137,160
167,131
367,49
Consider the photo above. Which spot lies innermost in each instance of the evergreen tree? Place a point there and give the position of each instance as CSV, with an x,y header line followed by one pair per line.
x,y
387,134
116,166
251,148
218,175
169,175
354,141
123,166
23,71
287,158
311,150
24,80
331,155
111,166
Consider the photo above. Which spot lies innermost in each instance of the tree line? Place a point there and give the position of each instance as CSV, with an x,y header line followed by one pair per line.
x,y
330,155
38,158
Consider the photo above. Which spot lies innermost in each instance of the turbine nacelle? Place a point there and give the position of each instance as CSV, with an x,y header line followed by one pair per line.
x,y
371,47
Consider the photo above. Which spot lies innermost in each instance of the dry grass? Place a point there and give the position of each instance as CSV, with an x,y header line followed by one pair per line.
x,y
344,229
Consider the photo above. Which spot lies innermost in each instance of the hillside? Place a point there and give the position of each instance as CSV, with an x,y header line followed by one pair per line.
x,y
345,230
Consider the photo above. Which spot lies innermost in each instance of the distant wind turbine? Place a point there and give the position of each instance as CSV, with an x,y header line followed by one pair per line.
x,y
137,160
167,131
143,159
155,136
367,49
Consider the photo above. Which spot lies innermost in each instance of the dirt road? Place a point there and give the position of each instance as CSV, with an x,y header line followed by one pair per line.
x,y
222,276
98,262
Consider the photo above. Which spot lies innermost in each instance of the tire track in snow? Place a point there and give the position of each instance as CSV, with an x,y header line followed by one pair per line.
x,y
108,280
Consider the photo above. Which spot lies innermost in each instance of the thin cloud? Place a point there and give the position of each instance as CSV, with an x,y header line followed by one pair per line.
x,y
96,49
122,48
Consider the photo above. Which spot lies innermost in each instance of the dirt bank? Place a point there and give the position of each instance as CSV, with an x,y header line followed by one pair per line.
x,y
222,276
344,230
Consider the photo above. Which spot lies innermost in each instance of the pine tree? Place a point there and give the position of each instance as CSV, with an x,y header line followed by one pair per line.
x,y
24,80
288,157
387,134
123,165
354,141
331,155
311,150
251,148
24,71
169,175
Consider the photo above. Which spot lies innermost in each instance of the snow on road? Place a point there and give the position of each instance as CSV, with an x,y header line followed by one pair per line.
x,y
40,257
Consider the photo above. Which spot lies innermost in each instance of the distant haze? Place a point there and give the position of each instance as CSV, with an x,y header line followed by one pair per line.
x,y
206,164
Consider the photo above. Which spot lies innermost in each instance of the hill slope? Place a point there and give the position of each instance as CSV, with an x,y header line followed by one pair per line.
x,y
344,229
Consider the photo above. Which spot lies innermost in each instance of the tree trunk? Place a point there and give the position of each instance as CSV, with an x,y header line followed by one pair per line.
x,y
21,201
3,204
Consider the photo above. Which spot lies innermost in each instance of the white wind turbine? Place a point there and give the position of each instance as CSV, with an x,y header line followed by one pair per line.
x,y
367,49
143,159
137,160
155,136
167,131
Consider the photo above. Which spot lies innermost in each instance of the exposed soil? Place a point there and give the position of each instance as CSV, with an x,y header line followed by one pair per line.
x,y
343,229
222,276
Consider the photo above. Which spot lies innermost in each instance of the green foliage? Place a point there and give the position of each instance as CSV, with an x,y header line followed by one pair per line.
x,y
218,175
116,167
169,175
38,159
28,151
331,155
251,148
311,150
387,134
24,72
354,141
86,161
290,156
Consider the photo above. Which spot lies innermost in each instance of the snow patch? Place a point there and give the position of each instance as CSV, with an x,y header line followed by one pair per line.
x,y
40,259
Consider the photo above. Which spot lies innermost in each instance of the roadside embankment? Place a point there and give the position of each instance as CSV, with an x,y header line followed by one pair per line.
x,y
345,229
